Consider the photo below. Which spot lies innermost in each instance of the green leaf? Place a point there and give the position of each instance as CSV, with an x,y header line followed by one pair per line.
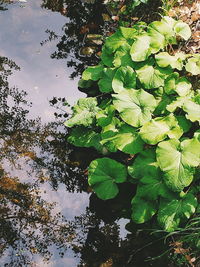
x,y
177,103
106,57
182,29
135,106
193,110
122,58
104,116
175,84
152,77
110,131
151,188
170,83
140,49
93,73
115,41
105,83
145,165
193,65
164,28
104,174
85,137
125,78
162,103
177,160
142,210
172,212
164,60
85,84
157,41
183,86
159,128
126,139
128,33
84,112
184,123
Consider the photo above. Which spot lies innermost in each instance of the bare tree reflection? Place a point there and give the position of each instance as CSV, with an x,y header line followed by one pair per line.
x,y
30,225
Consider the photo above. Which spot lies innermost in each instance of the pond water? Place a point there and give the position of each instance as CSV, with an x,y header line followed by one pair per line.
x,y
48,216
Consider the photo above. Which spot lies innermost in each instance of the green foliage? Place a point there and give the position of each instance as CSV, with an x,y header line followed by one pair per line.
x,y
148,109
83,112
172,211
104,175
177,160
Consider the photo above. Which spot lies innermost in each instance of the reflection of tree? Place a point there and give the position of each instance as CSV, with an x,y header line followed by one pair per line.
x,y
3,4
54,5
44,148
82,17
28,224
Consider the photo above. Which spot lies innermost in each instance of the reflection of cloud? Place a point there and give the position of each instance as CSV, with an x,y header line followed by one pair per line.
x,y
21,33
67,261
69,204
122,223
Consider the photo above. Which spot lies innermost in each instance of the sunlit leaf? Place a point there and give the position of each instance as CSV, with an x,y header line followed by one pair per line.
x,y
135,106
84,112
177,160
125,78
172,212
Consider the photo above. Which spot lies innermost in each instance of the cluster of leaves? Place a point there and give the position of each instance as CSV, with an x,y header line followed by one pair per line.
x,y
145,107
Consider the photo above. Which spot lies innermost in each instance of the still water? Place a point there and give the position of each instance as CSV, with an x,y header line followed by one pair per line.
x,y
48,216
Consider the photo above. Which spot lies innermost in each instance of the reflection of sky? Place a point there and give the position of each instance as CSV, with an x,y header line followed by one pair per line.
x,y
22,29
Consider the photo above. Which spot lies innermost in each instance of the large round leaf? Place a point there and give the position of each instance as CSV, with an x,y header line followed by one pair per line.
x,y
93,73
175,84
164,60
125,78
115,41
142,210
193,110
177,160
126,139
193,65
151,188
159,128
140,49
164,28
104,174
157,41
152,77
105,83
135,106
145,165
182,29
85,137
172,212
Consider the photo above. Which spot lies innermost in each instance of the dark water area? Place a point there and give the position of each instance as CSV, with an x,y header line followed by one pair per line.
x,y
48,215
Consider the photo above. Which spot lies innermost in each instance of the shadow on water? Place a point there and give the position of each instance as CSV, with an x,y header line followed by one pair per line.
x,y
35,156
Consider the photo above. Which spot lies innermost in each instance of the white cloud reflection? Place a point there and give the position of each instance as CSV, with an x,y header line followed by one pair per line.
x,y
42,77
